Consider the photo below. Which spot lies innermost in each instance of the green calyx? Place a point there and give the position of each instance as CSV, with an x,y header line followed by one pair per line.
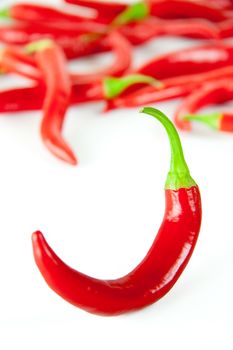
x,y
212,119
133,13
115,86
178,176
39,45
5,13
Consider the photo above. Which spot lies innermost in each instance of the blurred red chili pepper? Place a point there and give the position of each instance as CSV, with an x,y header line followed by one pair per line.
x,y
13,60
40,13
169,89
163,264
51,61
193,60
26,66
209,93
73,46
122,60
168,9
31,98
140,32
106,11
149,94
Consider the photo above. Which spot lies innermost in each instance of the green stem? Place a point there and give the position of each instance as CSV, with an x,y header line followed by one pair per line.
x,y
133,13
5,13
115,86
178,176
39,45
211,119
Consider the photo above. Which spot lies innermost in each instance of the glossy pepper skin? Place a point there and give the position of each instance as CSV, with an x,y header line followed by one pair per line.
x,y
161,267
215,92
193,60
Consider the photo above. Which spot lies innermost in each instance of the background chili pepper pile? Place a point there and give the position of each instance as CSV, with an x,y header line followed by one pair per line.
x,y
40,89
29,32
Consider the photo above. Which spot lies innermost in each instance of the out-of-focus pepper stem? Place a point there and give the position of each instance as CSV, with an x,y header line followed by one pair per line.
x,y
212,119
115,86
5,13
39,45
178,176
133,13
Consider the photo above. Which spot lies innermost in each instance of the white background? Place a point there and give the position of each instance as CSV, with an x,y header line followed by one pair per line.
x,y
101,218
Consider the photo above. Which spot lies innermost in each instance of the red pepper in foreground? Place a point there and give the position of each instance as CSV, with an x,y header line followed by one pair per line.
x,y
209,93
161,267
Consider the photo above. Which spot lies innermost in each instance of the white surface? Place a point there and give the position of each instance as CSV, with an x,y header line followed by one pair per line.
x,y
101,217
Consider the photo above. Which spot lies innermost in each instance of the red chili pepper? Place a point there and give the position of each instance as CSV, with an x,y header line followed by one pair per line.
x,y
122,60
193,60
106,11
38,13
140,32
31,98
73,45
209,93
163,264
168,89
26,66
13,60
186,9
52,63
149,94
159,8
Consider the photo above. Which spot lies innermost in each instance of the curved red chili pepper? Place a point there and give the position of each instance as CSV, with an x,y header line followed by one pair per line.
x,y
122,60
193,60
209,93
163,264
52,63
